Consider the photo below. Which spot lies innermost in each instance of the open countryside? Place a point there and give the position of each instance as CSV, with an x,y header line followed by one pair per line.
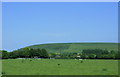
x,y
60,64
59,38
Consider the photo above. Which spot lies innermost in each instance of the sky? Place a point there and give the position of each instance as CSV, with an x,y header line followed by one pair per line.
x,y
30,23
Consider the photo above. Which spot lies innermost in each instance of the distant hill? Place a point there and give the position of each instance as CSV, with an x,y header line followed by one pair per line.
x,y
75,47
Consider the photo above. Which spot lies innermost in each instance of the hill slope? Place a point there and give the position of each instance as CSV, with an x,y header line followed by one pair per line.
x,y
75,47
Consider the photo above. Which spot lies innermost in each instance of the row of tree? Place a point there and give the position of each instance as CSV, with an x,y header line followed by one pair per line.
x,y
100,54
42,53
91,54
25,53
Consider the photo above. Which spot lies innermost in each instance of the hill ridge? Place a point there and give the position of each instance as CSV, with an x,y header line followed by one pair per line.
x,y
75,47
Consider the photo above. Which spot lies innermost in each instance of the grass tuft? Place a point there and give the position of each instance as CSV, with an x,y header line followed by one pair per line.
x,y
3,73
104,69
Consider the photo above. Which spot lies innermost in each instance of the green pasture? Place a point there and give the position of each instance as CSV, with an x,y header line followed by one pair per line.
x,y
75,47
65,67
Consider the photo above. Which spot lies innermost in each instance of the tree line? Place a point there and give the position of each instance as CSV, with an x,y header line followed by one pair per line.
x,y
100,54
91,54
25,53
43,53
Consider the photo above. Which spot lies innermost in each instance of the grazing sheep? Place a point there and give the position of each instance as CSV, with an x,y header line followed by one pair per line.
x,y
80,59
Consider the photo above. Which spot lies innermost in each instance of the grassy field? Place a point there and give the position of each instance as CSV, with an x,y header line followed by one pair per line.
x,y
66,67
75,47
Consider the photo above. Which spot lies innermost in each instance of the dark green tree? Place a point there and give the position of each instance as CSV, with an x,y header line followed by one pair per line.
x,y
5,54
14,54
44,53
92,56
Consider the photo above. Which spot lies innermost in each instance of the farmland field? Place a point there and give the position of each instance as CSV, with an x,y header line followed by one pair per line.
x,y
65,67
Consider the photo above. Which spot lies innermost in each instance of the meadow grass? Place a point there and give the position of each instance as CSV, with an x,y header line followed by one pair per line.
x,y
75,47
65,67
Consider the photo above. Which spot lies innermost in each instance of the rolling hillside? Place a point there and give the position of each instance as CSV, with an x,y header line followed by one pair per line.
x,y
75,47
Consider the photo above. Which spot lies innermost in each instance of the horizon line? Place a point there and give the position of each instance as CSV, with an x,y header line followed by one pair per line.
x,y
56,43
